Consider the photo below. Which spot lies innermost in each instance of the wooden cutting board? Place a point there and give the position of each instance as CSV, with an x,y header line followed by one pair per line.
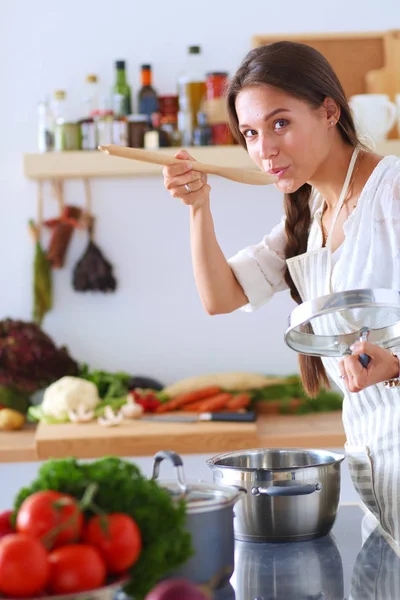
x,y
141,438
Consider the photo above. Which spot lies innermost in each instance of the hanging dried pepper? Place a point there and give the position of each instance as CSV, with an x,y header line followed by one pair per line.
x,y
62,229
42,276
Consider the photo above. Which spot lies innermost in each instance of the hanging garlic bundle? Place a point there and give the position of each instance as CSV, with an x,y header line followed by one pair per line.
x,y
92,273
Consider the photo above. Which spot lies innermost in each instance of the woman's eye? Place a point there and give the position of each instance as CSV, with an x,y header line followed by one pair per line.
x,y
280,124
249,133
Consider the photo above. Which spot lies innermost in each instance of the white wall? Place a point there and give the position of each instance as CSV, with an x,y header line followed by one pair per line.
x,y
155,323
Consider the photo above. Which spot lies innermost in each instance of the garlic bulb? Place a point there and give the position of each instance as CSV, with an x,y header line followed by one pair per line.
x,y
81,414
131,410
110,418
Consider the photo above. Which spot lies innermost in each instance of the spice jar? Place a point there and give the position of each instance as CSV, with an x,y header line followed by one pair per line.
x,y
168,105
104,127
137,126
169,124
215,108
216,85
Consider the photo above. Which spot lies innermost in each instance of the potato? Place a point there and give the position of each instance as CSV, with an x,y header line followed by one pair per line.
x,y
11,419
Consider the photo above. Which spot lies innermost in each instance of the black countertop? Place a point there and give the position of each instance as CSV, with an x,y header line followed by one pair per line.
x,y
335,567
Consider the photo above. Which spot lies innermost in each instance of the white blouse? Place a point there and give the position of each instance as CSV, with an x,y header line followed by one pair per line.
x,y
369,257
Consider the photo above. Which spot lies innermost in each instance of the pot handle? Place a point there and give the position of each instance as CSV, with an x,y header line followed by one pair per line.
x,y
176,461
287,490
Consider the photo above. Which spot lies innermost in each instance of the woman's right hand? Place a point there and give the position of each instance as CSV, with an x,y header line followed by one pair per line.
x,y
177,176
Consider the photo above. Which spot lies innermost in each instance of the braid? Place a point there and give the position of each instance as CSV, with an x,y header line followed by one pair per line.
x,y
298,221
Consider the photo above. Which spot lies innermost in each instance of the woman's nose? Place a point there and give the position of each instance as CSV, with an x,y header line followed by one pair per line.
x,y
268,148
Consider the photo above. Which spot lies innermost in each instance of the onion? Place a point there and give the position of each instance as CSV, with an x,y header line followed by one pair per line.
x,y
174,589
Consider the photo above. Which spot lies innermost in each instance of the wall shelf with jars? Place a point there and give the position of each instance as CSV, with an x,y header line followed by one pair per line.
x,y
69,165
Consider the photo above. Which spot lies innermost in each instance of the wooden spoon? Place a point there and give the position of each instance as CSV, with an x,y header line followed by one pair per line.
x,y
250,176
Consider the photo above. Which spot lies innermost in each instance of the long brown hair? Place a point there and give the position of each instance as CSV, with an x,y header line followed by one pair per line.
x,y
302,72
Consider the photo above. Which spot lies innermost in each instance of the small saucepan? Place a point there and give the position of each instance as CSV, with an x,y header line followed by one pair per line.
x,y
209,520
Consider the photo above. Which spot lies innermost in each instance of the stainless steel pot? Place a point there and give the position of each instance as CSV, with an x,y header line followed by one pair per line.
x,y
292,494
209,520
310,570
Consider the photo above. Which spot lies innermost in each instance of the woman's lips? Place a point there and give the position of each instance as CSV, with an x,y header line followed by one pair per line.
x,y
279,172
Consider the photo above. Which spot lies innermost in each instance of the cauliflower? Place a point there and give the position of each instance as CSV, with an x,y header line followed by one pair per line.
x,y
69,393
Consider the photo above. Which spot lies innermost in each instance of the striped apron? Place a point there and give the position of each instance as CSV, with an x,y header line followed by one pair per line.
x,y
371,418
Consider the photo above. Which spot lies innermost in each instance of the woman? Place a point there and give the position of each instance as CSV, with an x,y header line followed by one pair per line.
x,y
341,231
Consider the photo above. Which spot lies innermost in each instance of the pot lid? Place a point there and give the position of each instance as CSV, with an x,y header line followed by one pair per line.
x,y
202,497
329,325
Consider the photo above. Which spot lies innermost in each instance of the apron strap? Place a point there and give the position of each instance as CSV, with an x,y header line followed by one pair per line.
x,y
339,205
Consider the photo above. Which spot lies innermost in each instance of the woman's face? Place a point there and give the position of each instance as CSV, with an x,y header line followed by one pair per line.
x,y
284,135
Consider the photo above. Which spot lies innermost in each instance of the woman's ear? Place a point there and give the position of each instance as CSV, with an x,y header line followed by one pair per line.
x,y
332,110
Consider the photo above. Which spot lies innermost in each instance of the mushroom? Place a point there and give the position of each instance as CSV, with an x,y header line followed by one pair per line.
x,y
81,414
131,410
110,418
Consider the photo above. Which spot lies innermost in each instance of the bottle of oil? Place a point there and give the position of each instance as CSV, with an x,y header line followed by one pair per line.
x,y
191,91
122,87
147,95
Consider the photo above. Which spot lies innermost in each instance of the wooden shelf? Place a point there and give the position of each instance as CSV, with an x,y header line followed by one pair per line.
x,y
70,165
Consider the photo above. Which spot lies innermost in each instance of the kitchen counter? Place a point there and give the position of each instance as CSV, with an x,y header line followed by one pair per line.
x,y
319,430
335,567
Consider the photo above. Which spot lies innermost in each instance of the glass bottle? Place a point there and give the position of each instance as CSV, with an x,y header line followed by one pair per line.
x,y
45,127
104,119
91,96
191,87
202,134
120,122
147,95
66,130
90,105
121,86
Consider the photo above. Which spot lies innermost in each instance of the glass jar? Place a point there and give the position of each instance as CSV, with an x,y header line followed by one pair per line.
x,y
137,126
169,105
221,134
67,136
104,127
169,124
216,84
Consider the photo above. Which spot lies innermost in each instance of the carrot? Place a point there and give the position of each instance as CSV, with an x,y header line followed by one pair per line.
x,y
194,406
239,401
188,398
215,403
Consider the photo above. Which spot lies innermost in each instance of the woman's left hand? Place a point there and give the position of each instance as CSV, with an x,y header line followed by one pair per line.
x,y
382,366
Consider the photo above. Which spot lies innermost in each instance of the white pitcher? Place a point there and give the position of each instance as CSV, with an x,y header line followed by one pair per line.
x,y
374,115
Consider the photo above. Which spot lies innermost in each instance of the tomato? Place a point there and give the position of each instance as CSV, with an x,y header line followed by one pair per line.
x,y
147,399
24,566
5,523
53,517
76,568
117,538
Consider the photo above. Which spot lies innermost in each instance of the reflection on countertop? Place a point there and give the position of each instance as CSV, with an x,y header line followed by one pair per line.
x,y
335,567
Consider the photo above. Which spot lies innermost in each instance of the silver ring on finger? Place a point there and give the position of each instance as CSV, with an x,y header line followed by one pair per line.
x,y
343,376
187,188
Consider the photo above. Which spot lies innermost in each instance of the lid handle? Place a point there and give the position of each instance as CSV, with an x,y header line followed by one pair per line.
x,y
176,461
